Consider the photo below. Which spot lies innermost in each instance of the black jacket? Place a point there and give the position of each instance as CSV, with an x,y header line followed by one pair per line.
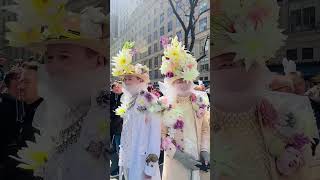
x,y
16,127
116,121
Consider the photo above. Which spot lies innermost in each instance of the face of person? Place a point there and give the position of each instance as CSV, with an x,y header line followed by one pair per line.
x,y
14,88
117,89
74,72
131,80
229,76
29,84
182,87
66,60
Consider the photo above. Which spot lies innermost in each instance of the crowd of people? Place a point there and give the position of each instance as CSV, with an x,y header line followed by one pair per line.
x,y
116,121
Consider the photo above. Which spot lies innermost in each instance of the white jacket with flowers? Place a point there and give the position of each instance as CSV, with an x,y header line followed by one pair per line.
x,y
140,136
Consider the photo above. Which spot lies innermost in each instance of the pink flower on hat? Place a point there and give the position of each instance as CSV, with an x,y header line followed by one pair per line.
x,y
164,41
190,66
257,15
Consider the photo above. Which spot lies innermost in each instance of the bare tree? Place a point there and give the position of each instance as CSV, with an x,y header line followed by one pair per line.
x,y
188,9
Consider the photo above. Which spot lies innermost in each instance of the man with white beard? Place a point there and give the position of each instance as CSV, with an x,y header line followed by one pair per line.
x,y
140,137
73,125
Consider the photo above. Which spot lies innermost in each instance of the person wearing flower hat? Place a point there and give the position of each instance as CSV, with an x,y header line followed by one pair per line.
x,y
140,110
185,125
72,124
257,134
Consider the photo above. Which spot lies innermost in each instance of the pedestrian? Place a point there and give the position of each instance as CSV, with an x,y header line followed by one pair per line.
x,y
186,135
115,125
140,137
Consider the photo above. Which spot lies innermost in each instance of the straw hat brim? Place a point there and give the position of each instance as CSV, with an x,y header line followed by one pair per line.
x,y
100,46
144,77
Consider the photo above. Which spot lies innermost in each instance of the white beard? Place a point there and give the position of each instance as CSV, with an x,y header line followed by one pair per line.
x,y
134,89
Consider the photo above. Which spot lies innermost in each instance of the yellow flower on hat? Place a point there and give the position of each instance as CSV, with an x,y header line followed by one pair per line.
x,y
123,61
123,58
256,45
175,52
20,36
178,62
249,29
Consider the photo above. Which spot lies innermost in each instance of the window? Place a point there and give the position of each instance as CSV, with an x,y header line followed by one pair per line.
x,y
169,26
178,24
295,20
155,35
309,19
150,74
156,74
170,11
155,47
201,78
149,50
201,68
149,27
307,53
203,24
156,62
179,35
203,7
206,67
162,31
149,38
150,63
155,22
206,78
292,54
161,18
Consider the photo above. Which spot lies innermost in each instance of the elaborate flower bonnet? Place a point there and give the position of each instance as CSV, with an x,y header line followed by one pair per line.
x,y
43,22
178,63
248,28
123,66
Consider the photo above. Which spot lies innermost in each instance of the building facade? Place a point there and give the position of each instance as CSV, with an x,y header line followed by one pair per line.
x,y
152,19
300,20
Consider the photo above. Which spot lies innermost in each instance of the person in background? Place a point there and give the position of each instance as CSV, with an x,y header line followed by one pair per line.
x,y
11,113
32,100
298,82
281,83
115,125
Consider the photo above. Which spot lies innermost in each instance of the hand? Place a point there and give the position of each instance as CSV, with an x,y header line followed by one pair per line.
x,y
205,157
147,176
290,161
186,160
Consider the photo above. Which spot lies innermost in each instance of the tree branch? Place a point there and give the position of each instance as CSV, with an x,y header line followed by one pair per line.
x,y
196,20
177,15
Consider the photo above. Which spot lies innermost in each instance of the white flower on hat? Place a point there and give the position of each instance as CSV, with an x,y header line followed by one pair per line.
x,y
91,21
256,45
